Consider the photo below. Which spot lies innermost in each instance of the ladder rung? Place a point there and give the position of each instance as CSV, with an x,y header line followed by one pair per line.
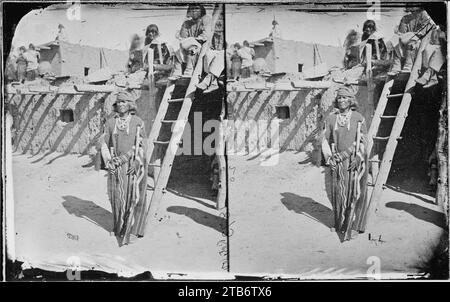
x,y
373,185
395,95
384,137
161,142
175,100
381,137
168,121
374,160
388,116
154,165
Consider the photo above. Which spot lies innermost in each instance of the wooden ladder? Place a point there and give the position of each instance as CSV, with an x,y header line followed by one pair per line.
x,y
161,177
379,177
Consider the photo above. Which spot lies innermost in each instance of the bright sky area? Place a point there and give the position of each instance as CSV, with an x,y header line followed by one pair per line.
x,y
112,26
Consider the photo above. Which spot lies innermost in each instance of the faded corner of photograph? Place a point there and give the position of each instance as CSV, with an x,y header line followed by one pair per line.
x,y
337,140
213,141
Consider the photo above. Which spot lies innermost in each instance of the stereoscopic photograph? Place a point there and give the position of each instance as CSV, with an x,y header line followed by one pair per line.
x,y
221,141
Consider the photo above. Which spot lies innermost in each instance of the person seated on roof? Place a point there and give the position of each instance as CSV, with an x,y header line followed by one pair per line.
x,y
433,58
411,29
214,59
162,53
195,31
372,36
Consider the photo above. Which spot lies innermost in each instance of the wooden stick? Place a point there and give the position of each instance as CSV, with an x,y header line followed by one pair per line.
x,y
95,88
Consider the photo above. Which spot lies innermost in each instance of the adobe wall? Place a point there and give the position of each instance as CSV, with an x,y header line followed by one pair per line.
x,y
52,56
288,54
308,108
76,57
266,52
38,126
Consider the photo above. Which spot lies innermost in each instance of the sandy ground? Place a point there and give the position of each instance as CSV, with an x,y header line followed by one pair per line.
x,y
279,223
280,218
62,210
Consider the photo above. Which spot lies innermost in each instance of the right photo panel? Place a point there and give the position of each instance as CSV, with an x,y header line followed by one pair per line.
x,y
337,140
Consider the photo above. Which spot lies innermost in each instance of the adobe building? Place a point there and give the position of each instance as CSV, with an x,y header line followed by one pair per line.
x,y
296,56
68,59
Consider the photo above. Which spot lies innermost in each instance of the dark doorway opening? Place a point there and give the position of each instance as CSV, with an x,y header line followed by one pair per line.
x,y
412,160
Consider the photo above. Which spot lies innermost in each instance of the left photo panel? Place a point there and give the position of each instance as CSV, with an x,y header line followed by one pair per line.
x,y
114,140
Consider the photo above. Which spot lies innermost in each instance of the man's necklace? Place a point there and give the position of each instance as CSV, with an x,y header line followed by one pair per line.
x,y
122,122
344,119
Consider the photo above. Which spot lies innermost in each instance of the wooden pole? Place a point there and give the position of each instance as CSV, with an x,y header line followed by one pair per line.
x,y
369,78
220,153
388,155
95,88
178,129
442,142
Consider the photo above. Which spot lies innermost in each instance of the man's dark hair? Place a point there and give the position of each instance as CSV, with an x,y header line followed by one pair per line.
x,y
246,43
192,6
370,23
150,27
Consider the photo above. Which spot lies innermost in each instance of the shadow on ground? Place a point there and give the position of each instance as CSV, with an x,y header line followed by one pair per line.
x,y
419,212
89,210
201,217
308,207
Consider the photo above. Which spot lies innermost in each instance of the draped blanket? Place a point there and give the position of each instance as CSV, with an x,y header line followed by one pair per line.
x,y
127,191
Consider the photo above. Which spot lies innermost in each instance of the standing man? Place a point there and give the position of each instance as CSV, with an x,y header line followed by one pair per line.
x,y
247,54
61,35
32,58
123,150
236,62
275,32
21,65
344,146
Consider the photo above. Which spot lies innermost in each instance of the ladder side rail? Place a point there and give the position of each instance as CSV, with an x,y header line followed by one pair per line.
x,y
386,161
179,126
156,127
379,111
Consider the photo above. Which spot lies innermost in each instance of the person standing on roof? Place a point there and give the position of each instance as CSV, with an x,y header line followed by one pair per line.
x,y
32,58
61,35
236,62
21,67
275,32
247,54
